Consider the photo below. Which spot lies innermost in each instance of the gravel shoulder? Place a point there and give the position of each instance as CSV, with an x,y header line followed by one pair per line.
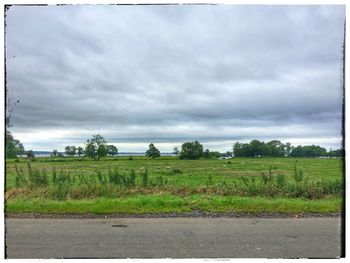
x,y
193,214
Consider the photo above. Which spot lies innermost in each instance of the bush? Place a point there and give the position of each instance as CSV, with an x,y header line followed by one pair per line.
x,y
36,179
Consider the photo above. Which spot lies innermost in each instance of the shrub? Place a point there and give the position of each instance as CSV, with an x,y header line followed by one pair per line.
x,y
36,179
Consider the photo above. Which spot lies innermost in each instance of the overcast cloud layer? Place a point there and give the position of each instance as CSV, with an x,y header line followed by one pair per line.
x,y
170,74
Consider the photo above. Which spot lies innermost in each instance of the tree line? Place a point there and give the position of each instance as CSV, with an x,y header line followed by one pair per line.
x,y
276,148
97,147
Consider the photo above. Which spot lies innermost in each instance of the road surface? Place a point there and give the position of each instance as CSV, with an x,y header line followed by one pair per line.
x,y
174,238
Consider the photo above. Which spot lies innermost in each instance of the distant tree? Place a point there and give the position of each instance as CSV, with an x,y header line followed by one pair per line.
x,y
275,148
229,154
206,154
112,150
102,151
70,150
13,146
257,148
288,149
212,154
152,151
242,150
309,151
191,150
336,153
176,151
80,151
54,153
96,147
30,154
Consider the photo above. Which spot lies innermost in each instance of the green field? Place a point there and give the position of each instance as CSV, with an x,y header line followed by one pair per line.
x,y
167,184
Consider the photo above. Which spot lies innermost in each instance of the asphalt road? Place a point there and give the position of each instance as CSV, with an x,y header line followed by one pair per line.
x,y
174,238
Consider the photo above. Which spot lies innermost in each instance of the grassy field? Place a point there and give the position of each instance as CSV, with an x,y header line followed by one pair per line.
x,y
167,184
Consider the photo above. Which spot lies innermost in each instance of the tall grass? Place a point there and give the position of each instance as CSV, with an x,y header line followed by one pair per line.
x,y
61,185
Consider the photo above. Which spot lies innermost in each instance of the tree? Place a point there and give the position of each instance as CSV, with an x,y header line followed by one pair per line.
x,y
80,151
13,146
70,150
257,148
54,153
102,151
211,154
336,153
30,154
275,148
242,150
191,150
176,151
288,149
112,150
309,151
206,154
152,151
96,147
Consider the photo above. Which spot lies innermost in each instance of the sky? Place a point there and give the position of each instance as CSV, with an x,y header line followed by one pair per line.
x,y
169,74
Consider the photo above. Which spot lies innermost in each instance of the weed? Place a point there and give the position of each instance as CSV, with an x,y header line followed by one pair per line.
x,y
36,179
54,175
114,176
144,176
130,180
280,180
210,179
298,175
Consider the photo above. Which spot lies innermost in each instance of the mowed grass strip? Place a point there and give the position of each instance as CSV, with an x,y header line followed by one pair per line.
x,y
171,203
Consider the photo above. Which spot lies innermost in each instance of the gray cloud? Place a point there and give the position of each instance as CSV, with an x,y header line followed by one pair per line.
x,y
172,73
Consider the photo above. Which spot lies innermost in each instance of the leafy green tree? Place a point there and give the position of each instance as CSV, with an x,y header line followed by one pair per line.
x,y
191,150
176,151
54,153
336,153
80,151
96,147
257,148
309,151
30,154
152,151
242,150
275,148
112,150
13,146
70,150
288,149
206,154
102,151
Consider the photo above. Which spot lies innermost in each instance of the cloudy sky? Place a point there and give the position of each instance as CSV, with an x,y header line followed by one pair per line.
x,y
171,74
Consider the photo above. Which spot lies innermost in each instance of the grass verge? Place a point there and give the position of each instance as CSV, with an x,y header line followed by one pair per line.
x,y
171,203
